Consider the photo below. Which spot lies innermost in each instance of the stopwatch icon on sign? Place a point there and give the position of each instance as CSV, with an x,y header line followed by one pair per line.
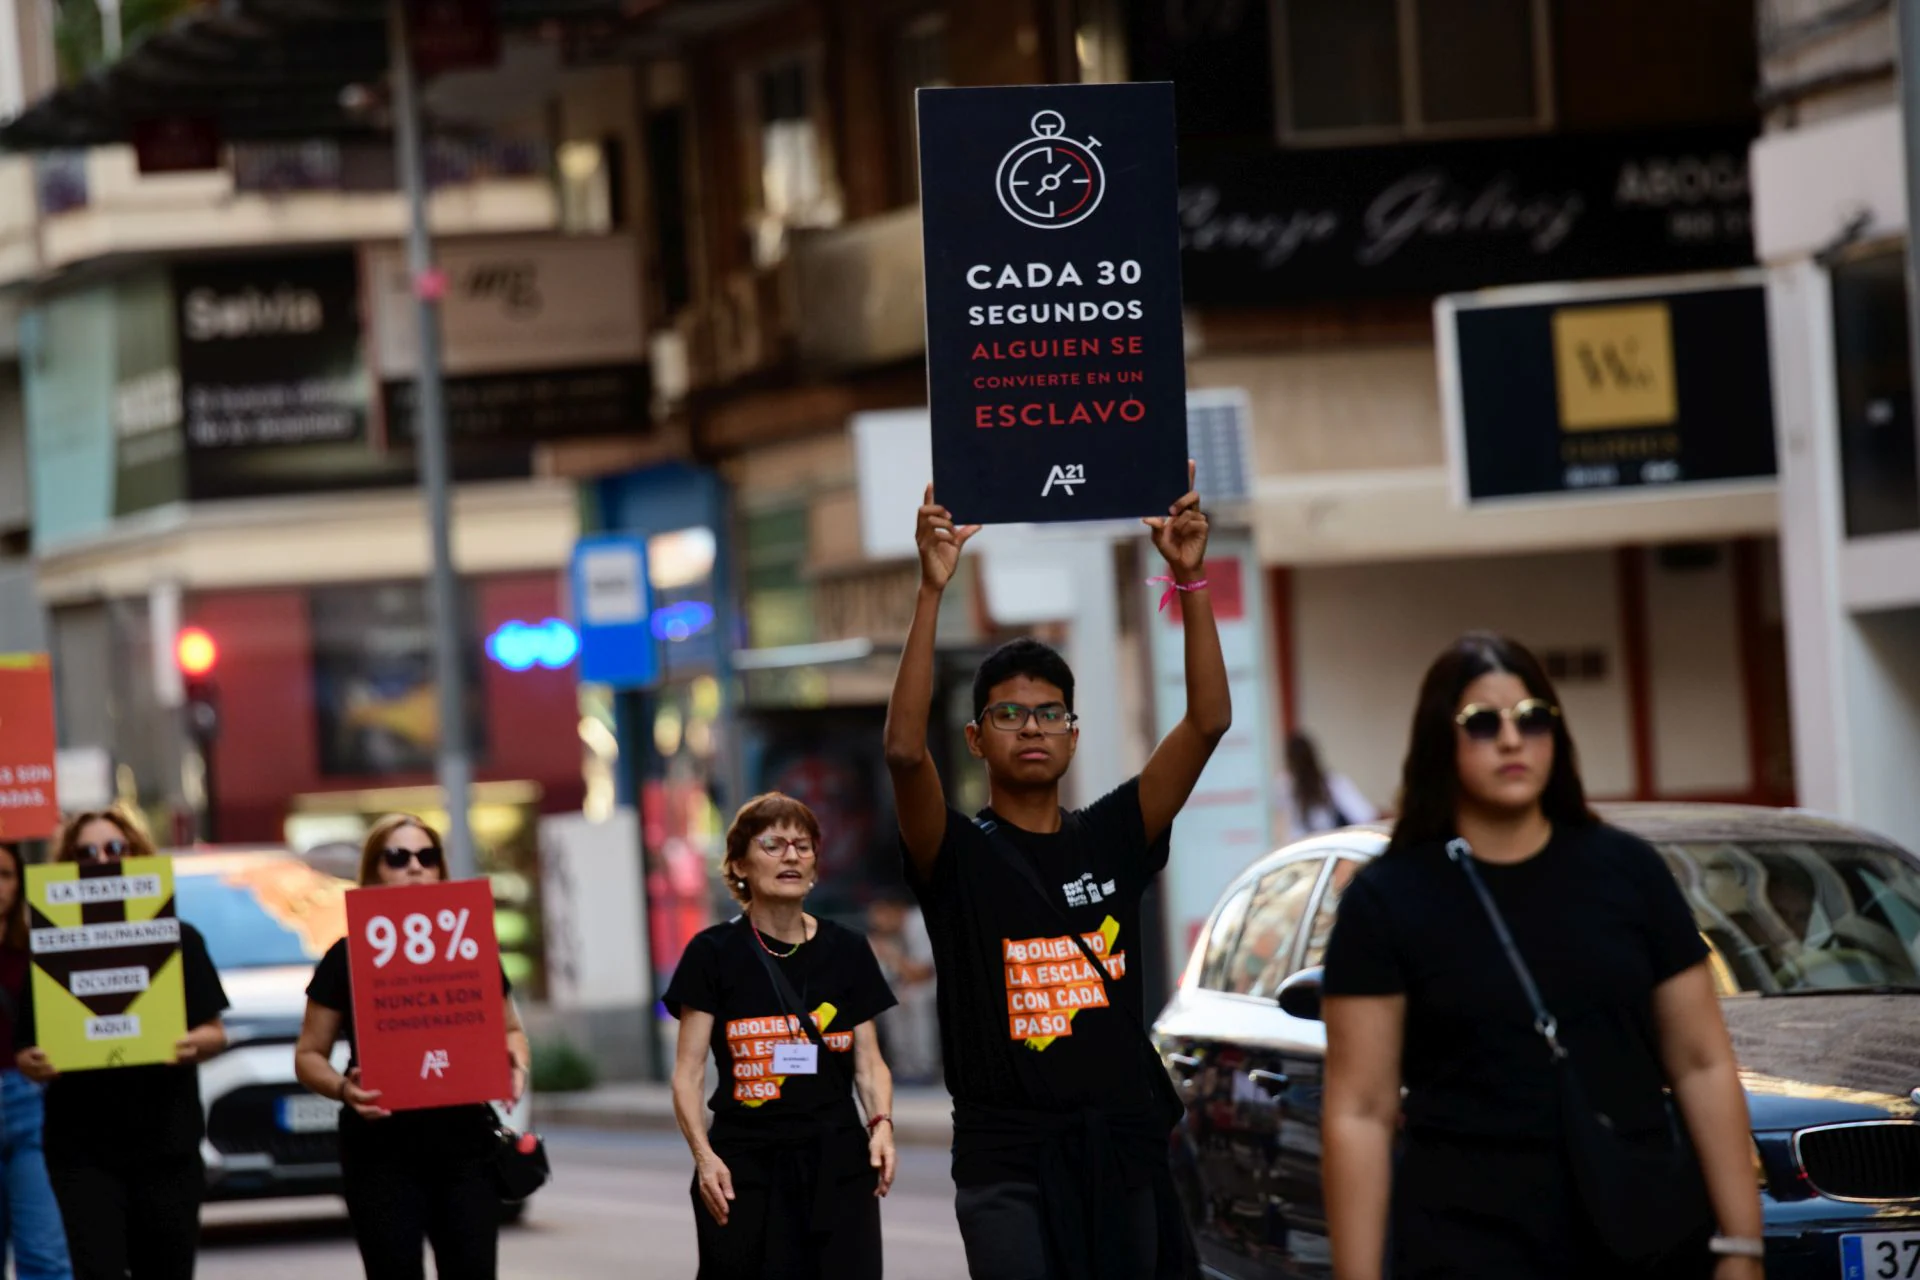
x,y
1050,180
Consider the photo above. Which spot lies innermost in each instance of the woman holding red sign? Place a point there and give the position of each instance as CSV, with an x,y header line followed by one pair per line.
x,y
412,1178
123,1143
786,1181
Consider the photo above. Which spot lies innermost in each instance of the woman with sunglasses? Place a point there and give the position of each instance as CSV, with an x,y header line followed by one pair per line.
x,y
29,1216
787,1180
1420,991
123,1144
411,1178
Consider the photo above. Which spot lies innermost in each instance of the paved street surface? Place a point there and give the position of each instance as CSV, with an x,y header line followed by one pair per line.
x,y
617,1207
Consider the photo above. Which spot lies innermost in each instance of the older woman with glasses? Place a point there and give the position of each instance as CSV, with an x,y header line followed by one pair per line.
x,y
787,1180
412,1178
123,1144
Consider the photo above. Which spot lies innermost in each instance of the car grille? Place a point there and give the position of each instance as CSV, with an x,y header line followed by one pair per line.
x,y
247,1122
1871,1160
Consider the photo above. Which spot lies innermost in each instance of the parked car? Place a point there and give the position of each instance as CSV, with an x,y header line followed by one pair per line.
x,y
268,917
1814,929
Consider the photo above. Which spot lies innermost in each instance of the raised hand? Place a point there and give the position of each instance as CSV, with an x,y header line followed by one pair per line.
x,y
939,541
1181,534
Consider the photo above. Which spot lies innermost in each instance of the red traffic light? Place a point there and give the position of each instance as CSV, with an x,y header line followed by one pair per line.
x,y
195,651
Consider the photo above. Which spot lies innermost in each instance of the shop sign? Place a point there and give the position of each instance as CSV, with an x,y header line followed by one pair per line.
x,y
270,351
1265,227
1598,389
1056,376
108,983
429,1021
29,807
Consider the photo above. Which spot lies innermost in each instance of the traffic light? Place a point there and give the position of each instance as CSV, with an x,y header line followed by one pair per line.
x,y
197,655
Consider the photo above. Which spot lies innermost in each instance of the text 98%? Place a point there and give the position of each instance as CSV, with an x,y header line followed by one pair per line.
x,y
420,946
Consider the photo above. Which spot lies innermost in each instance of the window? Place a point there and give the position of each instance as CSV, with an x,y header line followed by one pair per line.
x,y
1263,954
1879,474
792,164
1220,943
1323,915
1381,70
919,62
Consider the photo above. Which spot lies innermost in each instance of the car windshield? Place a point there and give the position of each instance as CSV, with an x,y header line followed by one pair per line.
x,y
1789,917
259,912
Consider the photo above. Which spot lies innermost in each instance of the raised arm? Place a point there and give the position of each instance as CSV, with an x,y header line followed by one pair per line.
x,y
1175,766
919,799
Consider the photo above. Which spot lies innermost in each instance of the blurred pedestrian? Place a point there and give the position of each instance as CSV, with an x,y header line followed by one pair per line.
x,y
787,1181
1535,980
1308,799
123,1143
910,1031
411,1178
29,1216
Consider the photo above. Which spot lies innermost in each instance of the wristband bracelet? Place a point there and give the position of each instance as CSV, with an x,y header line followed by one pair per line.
x,y
1198,584
1737,1247
874,1123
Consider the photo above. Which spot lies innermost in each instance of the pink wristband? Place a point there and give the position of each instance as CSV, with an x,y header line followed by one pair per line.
x,y
1199,584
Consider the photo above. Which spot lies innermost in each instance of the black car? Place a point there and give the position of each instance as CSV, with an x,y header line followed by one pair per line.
x,y
1814,928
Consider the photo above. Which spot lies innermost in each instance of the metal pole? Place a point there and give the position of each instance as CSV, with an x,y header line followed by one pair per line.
x,y
1909,19
430,438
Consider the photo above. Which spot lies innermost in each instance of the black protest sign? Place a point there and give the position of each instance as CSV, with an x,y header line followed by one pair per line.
x,y
1056,377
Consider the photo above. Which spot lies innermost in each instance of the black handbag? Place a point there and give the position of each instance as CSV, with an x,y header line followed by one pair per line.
x,y
1647,1201
518,1161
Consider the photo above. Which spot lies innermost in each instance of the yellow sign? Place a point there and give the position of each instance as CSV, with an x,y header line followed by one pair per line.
x,y
109,988
1614,367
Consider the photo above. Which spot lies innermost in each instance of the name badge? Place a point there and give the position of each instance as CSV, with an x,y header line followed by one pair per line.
x,y
796,1059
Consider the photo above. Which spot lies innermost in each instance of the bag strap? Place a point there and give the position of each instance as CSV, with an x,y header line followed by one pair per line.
x,y
1025,871
1544,1023
790,1002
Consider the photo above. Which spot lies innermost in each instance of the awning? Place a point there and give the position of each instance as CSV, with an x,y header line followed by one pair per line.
x,y
262,70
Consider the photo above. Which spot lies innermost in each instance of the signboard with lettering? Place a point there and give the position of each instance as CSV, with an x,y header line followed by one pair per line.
x,y
29,808
1261,227
1056,376
614,612
109,989
429,1020
270,351
1602,388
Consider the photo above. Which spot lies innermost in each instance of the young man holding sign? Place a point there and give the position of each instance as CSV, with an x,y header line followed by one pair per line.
x,y
1061,1109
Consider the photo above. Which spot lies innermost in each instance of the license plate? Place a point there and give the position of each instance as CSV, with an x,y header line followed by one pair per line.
x,y
307,1114
1884,1255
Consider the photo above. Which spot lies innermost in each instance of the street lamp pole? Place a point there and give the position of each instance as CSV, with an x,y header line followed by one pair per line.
x,y
430,438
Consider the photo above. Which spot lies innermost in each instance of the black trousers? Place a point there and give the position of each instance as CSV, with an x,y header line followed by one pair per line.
x,y
401,1203
130,1218
768,1235
1003,1226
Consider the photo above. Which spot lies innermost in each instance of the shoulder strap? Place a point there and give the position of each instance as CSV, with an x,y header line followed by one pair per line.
x,y
1543,1022
1025,871
790,1002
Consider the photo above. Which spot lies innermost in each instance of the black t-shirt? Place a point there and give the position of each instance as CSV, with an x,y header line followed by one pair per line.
x,y
1025,1021
119,1110
839,983
436,1129
1600,922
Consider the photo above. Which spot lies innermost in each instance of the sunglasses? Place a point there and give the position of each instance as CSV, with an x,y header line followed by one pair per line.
x,y
397,859
1011,717
777,846
1534,718
107,852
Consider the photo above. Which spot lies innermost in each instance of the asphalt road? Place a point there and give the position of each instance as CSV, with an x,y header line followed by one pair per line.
x,y
617,1207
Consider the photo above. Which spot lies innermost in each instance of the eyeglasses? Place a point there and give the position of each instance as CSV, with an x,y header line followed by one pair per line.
x,y
777,846
1533,717
397,859
1011,717
106,852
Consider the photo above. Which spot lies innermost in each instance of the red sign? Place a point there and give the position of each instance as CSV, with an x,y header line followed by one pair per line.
x,y
453,35
429,1023
176,144
29,809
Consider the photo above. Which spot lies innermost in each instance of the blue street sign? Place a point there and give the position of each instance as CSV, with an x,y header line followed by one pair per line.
x,y
613,608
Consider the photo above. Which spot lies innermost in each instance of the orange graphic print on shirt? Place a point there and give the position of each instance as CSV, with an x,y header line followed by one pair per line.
x,y
1049,982
750,1043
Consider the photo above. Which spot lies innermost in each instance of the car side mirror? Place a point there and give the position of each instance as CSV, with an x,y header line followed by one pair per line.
x,y
1299,996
